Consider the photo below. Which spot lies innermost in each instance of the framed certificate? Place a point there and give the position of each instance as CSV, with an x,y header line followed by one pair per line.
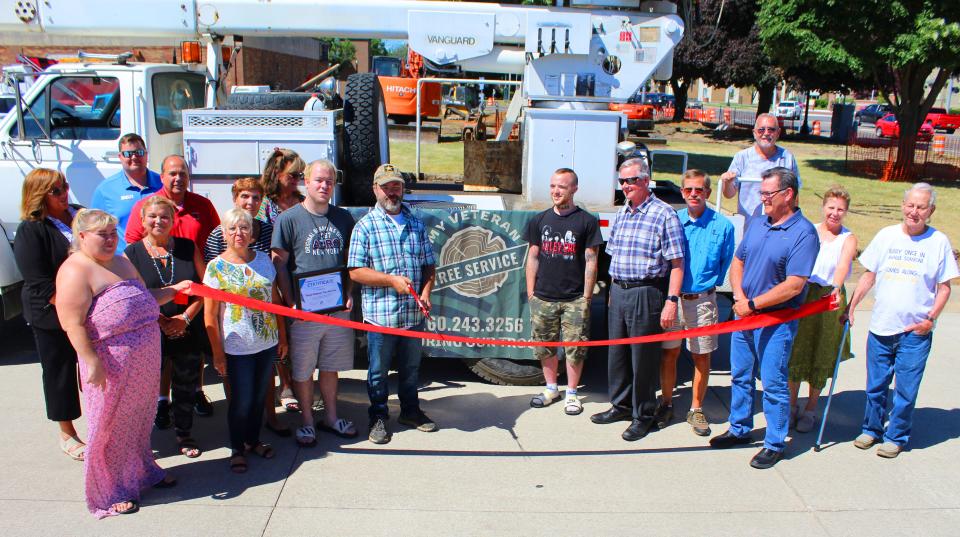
x,y
321,291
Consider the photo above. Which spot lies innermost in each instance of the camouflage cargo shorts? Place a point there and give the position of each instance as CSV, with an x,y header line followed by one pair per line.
x,y
550,320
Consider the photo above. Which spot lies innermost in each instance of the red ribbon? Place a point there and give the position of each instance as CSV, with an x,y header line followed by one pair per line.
x,y
760,320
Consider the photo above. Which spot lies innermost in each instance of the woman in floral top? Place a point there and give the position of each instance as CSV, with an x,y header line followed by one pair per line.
x,y
245,341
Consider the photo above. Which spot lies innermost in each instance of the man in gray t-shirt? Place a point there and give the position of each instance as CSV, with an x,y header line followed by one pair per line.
x,y
314,236
747,167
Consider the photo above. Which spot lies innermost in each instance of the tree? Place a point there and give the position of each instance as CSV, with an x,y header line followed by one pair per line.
x,y
378,48
898,44
340,50
722,46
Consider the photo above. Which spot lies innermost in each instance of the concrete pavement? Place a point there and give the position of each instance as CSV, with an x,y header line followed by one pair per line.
x,y
498,467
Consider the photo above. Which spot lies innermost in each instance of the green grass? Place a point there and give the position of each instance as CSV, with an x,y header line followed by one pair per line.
x,y
874,204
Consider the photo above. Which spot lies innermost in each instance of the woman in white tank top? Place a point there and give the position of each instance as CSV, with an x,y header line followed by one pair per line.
x,y
818,336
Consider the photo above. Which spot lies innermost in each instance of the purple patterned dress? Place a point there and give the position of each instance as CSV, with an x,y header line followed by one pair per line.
x,y
122,325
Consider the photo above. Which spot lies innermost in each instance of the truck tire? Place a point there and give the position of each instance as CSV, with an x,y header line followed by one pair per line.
x,y
366,141
281,100
506,372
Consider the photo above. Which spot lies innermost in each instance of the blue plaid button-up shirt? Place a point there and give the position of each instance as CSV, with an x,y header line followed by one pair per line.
x,y
379,243
644,240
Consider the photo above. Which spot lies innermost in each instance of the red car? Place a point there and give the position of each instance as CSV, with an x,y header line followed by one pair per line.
x,y
887,126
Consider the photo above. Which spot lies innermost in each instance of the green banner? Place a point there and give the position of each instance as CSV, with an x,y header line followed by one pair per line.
x,y
480,286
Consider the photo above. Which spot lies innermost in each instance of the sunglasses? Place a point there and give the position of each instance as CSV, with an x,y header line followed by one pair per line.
x,y
771,130
632,180
130,153
689,190
296,175
58,190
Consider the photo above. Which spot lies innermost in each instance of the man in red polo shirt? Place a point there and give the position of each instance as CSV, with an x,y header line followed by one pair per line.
x,y
196,217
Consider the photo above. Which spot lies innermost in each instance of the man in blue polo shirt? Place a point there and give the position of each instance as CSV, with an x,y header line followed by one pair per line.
x,y
707,251
769,272
118,193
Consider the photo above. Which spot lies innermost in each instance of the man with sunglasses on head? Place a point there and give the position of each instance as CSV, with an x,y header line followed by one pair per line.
x,y
769,272
646,271
708,250
118,193
748,165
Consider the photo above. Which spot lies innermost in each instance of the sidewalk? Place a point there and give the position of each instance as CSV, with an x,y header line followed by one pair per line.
x,y
498,467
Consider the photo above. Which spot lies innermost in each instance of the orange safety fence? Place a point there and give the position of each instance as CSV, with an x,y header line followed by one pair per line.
x,y
873,156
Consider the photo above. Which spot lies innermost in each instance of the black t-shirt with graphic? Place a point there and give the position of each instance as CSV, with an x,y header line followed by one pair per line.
x,y
562,241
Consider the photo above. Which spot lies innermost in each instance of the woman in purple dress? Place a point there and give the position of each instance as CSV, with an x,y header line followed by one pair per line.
x,y
111,320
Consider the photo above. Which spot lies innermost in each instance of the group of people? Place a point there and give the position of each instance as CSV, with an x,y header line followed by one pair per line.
x,y
100,283
99,288
665,268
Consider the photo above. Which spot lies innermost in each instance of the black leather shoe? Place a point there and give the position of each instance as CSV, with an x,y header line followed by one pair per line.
x,y
612,415
637,430
728,439
766,458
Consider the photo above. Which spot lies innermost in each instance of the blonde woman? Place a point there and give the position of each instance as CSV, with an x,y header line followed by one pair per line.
x,y
111,320
245,341
41,246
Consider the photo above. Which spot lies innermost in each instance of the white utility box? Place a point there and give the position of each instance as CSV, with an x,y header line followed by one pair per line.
x,y
582,140
221,146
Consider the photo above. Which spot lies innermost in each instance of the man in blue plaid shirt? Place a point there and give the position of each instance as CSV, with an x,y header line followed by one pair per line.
x,y
390,253
646,271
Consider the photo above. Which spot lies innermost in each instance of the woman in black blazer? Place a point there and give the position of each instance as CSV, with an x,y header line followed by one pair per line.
x,y
41,245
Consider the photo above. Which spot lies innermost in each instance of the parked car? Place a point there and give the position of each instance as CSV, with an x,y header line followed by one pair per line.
x,y
790,110
943,121
695,104
871,113
887,127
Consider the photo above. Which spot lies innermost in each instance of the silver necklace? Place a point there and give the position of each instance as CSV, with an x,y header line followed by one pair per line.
x,y
154,256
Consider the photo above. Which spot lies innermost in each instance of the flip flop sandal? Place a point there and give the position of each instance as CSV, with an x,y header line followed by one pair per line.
x,y
306,436
134,507
262,450
238,463
546,398
572,406
342,428
189,447
74,448
290,404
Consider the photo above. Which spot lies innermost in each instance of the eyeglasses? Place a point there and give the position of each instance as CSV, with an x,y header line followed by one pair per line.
x,y
58,190
689,190
771,130
633,180
768,195
130,153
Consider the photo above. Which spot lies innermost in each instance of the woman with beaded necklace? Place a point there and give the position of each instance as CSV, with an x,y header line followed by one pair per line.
x,y
161,260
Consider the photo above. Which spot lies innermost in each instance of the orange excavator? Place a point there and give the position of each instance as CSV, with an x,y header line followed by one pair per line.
x,y
398,80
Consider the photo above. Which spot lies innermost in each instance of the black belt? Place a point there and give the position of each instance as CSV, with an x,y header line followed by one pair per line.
x,y
647,282
694,296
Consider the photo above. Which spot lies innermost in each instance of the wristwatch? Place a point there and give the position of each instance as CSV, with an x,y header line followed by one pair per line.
x,y
673,298
751,305
185,317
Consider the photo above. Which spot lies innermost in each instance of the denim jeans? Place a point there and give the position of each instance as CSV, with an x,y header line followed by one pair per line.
x,y
248,387
404,353
770,347
904,356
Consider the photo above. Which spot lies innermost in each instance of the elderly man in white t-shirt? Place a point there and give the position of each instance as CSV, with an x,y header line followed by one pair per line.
x,y
911,264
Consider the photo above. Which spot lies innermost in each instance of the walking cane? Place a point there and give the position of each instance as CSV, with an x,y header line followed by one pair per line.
x,y
833,384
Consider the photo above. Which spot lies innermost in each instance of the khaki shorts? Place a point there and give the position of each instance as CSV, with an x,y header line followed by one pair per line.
x,y
551,320
320,346
696,313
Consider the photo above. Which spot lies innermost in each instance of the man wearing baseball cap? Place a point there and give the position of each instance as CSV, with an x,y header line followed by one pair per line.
x,y
390,255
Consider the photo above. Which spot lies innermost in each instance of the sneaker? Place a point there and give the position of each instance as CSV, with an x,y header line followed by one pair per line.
x,y
418,421
889,450
162,419
378,432
663,415
698,421
202,405
865,441
806,421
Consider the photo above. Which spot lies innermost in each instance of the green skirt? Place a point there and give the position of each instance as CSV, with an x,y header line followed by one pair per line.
x,y
818,340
